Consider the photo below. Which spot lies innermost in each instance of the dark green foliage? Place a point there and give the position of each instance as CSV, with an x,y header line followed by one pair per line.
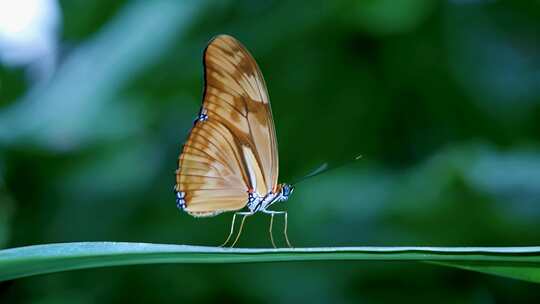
x,y
442,99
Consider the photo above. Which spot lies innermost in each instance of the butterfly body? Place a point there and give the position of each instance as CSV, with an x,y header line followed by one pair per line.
x,y
257,202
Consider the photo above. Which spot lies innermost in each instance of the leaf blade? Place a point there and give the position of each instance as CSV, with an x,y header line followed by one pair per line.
x,y
513,262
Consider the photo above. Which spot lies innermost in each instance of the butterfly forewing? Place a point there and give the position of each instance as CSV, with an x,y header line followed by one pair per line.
x,y
232,147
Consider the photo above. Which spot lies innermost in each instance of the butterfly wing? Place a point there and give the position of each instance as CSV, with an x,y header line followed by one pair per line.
x,y
232,148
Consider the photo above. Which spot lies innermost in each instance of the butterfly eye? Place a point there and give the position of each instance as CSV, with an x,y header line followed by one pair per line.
x,y
287,190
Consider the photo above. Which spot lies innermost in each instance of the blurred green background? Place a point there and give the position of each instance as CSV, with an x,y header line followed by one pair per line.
x,y
442,99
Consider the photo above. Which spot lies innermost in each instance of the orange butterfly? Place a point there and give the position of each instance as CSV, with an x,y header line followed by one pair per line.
x,y
230,159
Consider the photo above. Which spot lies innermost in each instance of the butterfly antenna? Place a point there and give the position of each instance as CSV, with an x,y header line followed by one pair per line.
x,y
325,168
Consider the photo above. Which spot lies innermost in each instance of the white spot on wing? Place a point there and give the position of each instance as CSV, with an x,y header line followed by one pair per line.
x,y
250,160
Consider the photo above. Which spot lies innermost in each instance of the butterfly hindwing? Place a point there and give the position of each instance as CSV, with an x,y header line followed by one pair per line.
x,y
232,147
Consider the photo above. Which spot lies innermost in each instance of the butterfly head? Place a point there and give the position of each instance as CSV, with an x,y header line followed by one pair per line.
x,y
286,191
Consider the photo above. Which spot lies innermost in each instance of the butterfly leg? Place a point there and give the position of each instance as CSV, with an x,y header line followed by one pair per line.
x,y
245,215
230,233
270,230
285,231
232,227
272,213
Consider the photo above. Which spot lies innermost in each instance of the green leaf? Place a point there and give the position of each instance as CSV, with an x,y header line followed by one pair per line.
x,y
513,262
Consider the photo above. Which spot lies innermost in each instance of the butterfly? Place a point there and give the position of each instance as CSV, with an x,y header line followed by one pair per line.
x,y
230,159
